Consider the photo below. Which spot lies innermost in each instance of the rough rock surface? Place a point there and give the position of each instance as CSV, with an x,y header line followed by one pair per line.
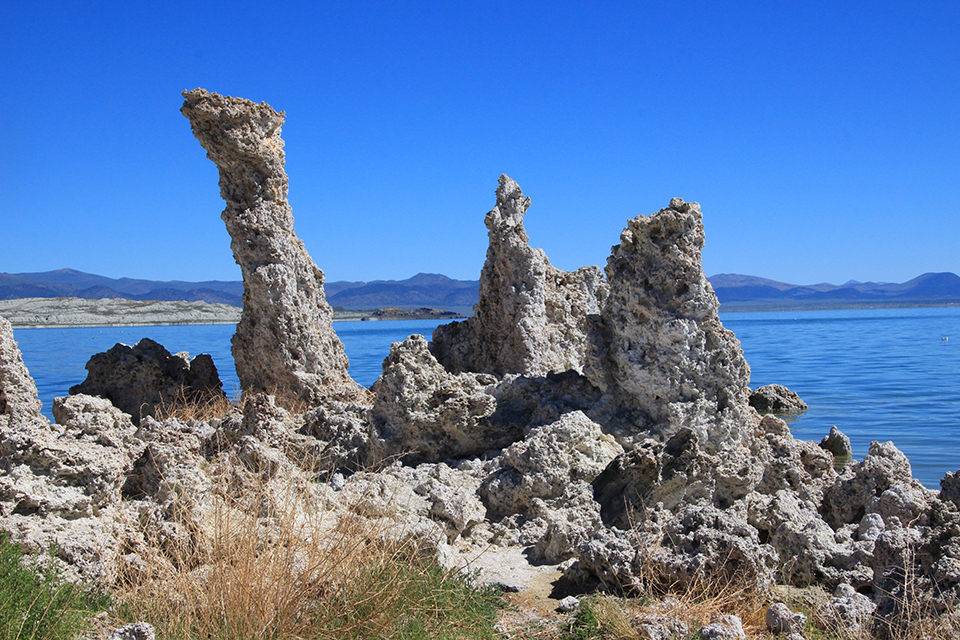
x,y
543,483
425,414
532,318
847,611
285,343
725,627
146,378
18,391
545,463
776,398
660,353
950,488
780,619
62,483
837,443
847,500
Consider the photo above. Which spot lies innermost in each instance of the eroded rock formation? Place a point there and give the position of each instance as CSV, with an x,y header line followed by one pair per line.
x,y
659,351
146,378
612,441
425,414
285,343
18,392
776,398
532,318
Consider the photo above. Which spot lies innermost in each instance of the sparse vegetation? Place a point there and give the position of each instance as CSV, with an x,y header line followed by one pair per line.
x,y
36,603
271,563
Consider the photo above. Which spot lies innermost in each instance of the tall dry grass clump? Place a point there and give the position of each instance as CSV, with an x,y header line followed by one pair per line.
x,y
272,561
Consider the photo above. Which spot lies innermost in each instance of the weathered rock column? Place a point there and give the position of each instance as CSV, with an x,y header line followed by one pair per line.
x,y
285,343
532,317
18,392
660,349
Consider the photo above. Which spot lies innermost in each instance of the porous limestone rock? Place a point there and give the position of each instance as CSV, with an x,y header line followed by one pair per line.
x,y
696,545
61,484
532,318
725,627
847,611
338,436
776,398
659,627
917,568
780,619
145,379
542,484
524,402
546,462
18,391
659,351
810,551
798,466
837,443
285,343
859,483
135,631
425,414
950,487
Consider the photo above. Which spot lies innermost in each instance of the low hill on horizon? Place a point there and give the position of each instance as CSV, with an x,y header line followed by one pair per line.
x,y
742,293
736,292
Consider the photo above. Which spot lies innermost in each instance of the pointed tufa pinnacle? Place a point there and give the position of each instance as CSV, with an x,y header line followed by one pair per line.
x,y
532,318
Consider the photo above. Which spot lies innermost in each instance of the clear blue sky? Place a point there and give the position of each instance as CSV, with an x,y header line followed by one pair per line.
x,y
822,139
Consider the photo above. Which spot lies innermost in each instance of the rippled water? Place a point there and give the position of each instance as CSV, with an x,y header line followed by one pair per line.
x,y
878,374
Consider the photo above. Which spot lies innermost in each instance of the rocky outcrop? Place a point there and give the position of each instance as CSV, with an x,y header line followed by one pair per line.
x,y
62,484
18,392
532,318
542,484
776,398
145,379
659,352
425,414
837,443
285,343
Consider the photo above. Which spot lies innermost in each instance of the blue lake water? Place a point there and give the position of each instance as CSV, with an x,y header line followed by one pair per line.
x,y
878,374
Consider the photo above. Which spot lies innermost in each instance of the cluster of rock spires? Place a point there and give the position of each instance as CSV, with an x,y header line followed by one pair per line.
x,y
601,424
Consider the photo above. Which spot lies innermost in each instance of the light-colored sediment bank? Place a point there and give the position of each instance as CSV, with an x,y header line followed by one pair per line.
x,y
80,312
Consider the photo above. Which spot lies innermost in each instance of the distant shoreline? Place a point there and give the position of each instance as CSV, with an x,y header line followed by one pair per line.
x,y
64,313
753,307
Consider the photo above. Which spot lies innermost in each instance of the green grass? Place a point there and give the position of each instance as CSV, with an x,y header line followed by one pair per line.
x,y
35,603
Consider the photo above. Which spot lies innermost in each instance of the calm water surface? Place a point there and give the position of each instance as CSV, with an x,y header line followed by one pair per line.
x,y
878,374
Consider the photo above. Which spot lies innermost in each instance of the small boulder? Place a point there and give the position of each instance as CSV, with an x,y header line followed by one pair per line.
x,y
838,444
776,398
723,628
425,414
146,379
847,611
780,619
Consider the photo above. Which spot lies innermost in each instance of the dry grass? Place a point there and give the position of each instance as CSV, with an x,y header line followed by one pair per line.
x,y
696,605
214,406
271,563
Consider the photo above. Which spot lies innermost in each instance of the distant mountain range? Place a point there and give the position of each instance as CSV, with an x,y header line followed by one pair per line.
x,y
736,292
68,283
